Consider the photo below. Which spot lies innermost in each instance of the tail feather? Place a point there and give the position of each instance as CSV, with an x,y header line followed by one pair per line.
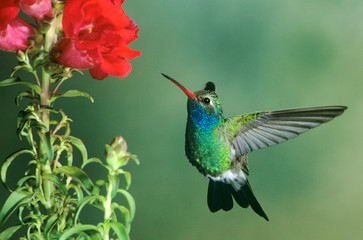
x,y
227,200
241,198
220,197
214,196
246,188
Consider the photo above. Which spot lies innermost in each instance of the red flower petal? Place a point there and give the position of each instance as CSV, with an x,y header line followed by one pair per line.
x,y
28,2
9,9
37,9
72,57
15,36
126,52
97,73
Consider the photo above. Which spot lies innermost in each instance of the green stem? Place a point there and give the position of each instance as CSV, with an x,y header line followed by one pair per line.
x,y
45,103
46,165
45,97
108,211
56,88
36,77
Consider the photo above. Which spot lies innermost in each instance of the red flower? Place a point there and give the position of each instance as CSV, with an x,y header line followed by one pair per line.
x,y
8,11
37,9
97,34
15,36
14,31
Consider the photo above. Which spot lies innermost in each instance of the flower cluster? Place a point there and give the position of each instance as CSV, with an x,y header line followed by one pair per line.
x,y
53,39
94,34
14,31
97,34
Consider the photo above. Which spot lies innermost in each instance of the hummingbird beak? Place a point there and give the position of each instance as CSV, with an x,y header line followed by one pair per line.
x,y
186,91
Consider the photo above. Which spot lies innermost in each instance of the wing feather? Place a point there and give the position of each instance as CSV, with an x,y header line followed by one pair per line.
x,y
249,132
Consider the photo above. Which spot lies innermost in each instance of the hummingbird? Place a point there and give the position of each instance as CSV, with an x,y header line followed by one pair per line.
x,y
218,146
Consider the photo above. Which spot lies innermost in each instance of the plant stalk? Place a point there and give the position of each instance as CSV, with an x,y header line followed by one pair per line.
x,y
45,103
46,165
108,211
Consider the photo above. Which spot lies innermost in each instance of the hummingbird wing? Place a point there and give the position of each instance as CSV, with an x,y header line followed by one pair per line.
x,y
249,132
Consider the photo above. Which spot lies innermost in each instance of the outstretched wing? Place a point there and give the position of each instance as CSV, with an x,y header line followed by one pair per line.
x,y
249,132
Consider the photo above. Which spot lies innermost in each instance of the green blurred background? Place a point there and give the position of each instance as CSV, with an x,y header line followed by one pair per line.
x,y
262,55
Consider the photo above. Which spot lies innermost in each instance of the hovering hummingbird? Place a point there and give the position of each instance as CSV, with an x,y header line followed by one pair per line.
x,y
218,146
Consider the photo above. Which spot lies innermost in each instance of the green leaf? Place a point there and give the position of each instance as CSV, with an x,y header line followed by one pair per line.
x,y
81,147
25,179
57,182
127,176
135,158
50,224
98,185
78,191
130,201
15,199
72,93
46,141
53,235
21,123
16,80
20,118
40,62
114,183
122,161
21,67
39,126
78,175
7,233
93,160
9,160
125,215
90,236
27,120
69,156
26,94
78,229
120,230
87,200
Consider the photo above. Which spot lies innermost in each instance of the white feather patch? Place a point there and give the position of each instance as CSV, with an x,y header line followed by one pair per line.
x,y
236,179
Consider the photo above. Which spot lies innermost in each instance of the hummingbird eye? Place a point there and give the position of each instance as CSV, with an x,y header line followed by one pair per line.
x,y
206,100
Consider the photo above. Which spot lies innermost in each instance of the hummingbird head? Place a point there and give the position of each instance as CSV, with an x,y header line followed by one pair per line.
x,y
204,108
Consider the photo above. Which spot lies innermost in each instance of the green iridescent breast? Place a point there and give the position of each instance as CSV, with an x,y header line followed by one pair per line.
x,y
206,145
208,151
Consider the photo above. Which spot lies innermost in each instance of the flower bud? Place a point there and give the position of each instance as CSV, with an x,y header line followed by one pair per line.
x,y
116,153
21,56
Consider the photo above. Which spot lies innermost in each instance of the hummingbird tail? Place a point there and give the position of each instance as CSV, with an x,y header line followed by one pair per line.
x,y
220,197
